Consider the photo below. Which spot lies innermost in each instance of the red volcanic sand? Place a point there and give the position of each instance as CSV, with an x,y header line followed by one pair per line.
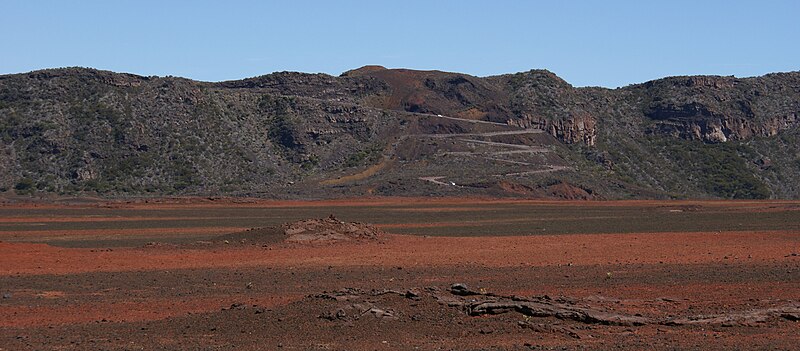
x,y
120,311
544,250
253,295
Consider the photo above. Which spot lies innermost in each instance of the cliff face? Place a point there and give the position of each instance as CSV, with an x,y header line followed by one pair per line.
x,y
73,130
574,128
720,109
540,99
720,129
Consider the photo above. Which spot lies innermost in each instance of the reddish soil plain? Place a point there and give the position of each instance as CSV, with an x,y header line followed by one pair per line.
x,y
448,274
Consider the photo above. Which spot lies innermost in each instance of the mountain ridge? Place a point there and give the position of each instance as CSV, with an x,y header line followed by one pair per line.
x,y
291,134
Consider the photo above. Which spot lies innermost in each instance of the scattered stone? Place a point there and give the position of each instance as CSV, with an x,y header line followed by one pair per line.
x,y
792,316
235,306
461,289
412,294
379,313
7,296
355,311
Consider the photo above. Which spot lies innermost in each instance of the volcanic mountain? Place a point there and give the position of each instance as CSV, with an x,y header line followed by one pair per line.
x,y
398,132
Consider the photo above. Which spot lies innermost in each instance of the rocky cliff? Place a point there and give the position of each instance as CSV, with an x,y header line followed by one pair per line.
x,y
719,109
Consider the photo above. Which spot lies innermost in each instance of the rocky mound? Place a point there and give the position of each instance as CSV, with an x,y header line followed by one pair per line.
x,y
329,230
564,190
326,230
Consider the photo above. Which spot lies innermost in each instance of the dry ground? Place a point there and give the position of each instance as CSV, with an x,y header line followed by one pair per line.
x,y
159,275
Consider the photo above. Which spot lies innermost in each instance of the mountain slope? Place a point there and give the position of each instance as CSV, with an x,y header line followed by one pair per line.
x,y
398,132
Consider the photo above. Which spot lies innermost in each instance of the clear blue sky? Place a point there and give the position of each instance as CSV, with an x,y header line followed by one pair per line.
x,y
605,43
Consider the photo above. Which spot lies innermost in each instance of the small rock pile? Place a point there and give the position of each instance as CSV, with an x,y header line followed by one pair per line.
x,y
329,230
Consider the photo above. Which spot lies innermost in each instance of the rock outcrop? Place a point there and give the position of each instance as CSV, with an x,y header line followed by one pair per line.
x,y
721,109
576,128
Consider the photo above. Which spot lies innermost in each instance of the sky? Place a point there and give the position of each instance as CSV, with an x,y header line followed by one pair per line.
x,y
588,43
